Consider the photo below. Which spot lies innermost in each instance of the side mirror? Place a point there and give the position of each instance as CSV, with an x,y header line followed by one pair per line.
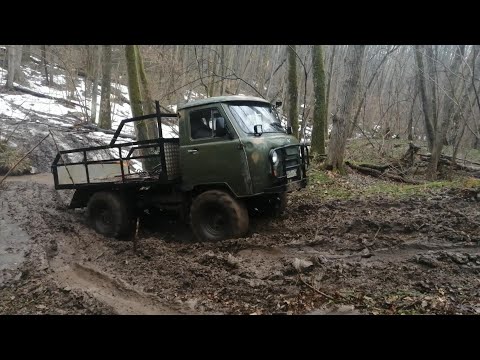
x,y
278,104
220,127
289,130
258,130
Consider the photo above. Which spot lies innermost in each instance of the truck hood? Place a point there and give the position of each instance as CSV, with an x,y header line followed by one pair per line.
x,y
257,149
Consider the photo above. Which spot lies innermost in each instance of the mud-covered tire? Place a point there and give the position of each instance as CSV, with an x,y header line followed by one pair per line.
x,y
215,215
109,215
280,204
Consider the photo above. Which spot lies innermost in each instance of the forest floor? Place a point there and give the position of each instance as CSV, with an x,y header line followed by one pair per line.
x,y
345,245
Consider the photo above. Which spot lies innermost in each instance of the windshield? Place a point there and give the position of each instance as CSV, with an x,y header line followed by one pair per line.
x,y
249,115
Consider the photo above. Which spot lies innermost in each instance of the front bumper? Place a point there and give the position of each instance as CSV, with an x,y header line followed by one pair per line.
x,y
290,186
293,158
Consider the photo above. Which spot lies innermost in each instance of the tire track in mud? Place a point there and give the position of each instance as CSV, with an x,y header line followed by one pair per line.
x,y
122,298
65,250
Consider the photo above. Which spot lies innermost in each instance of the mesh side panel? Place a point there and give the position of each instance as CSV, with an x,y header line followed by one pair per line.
x,y
172,160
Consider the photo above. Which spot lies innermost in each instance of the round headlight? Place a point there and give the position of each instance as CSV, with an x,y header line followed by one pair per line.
x,y
275,157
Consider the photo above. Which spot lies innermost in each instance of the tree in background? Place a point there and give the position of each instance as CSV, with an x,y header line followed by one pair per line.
x,y
14,59
26,54
344,107
105,119
390,95
95,73
320,106
292,90
140,100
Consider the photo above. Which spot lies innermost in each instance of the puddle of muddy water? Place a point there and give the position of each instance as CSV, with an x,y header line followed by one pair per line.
x,y
340,310
13,245
40,178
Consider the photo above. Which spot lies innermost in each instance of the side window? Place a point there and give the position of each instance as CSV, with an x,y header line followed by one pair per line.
x,y
203,123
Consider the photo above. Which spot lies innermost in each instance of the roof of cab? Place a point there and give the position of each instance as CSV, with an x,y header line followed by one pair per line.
x,y
220,99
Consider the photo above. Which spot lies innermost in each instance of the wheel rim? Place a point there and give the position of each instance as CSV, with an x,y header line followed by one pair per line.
x,y
215,222
104,219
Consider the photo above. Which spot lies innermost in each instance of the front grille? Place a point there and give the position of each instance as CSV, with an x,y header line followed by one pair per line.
x,y
292,166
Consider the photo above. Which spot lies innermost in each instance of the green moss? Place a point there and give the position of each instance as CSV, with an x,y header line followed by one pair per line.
x,y
9,156
327,185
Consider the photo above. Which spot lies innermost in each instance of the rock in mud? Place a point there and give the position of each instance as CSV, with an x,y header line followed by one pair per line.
x,y
458,258
302,265
427,259
366,253
233,261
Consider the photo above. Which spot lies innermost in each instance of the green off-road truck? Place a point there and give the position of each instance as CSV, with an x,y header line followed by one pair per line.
x,y
232,157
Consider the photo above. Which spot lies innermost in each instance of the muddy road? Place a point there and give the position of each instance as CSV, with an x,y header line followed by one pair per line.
x,y
371,256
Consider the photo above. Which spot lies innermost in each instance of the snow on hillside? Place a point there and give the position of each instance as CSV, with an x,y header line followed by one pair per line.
x,y
30,117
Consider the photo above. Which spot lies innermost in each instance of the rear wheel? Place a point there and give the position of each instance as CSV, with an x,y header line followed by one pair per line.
x,y
109,215
215,215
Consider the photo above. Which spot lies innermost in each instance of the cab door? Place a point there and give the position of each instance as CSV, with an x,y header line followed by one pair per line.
x,y
209,156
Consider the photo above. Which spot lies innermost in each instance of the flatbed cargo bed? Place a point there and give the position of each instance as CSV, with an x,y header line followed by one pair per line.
x,y
97,166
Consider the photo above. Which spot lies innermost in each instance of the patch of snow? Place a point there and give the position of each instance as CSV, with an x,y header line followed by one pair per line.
x,y
59,79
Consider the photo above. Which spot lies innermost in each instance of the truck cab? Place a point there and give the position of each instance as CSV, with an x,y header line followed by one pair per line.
x,y
238,143
232,158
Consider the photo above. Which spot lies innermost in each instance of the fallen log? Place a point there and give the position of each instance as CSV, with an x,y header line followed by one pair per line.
x,y
381,168
448,161
380,174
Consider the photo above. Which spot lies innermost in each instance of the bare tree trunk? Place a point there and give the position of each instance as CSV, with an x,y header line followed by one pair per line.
x,y
105,120
97,58
15,74
45,64
147,102
213,71
11,56
410,118
70,77
19,77
432,74
134,89
222,69
292,89
136,101
345,106
330,74
26,54
319,112
276,58
423,93
448,107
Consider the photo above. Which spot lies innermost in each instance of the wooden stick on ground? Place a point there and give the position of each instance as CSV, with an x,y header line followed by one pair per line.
x,y
66,166
135,235
315,289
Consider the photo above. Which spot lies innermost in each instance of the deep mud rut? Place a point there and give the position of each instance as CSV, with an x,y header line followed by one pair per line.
x,y
374,256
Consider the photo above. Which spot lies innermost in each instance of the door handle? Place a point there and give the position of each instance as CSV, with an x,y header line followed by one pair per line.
x,y
192,151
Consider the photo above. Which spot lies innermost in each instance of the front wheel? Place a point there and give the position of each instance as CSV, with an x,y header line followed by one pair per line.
x,y
216,215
